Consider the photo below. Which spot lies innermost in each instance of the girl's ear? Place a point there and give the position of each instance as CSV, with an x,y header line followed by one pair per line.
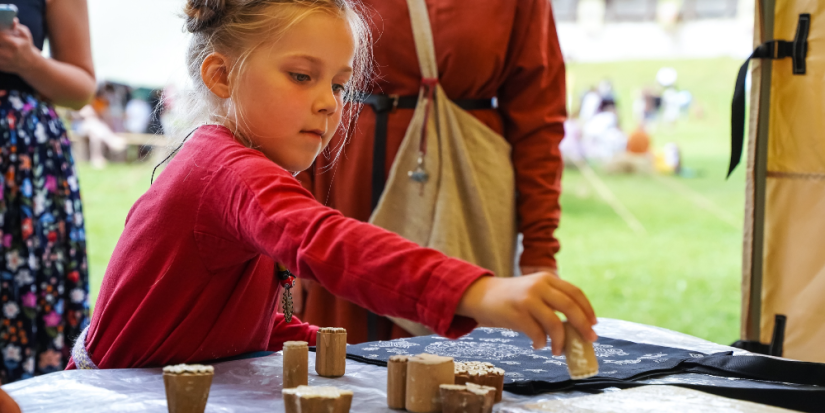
x,y
215,74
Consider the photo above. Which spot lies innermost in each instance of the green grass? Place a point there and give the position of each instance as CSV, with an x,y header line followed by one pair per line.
x,y
682,274
107,195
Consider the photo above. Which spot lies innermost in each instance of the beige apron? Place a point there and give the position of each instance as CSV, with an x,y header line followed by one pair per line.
x,y
452,184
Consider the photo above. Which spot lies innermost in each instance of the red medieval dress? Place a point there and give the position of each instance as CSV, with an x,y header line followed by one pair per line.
x,y
507,49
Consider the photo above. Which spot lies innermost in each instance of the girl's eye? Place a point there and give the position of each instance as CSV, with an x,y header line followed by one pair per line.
x,y
338,88
300,77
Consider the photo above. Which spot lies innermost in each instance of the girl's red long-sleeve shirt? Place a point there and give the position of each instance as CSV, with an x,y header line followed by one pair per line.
x,y
192,277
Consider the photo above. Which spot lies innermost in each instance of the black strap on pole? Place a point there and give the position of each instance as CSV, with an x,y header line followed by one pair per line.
x,y
775,49
383,105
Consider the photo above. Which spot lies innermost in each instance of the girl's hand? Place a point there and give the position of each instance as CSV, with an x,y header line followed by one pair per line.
x,y
17,51
528,304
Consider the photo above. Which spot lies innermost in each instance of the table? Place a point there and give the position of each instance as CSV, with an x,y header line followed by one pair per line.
x,y
254,385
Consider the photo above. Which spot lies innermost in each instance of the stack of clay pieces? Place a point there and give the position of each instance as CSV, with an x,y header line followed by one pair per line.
x,y
296,364
306,399
467,398
581,358
331,352
413,383
187,387
481,373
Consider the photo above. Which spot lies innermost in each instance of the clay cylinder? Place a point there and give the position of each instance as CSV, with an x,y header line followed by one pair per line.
x,y
306,399
331,352
425,373
397,382
469,398
581,359
296,362
187,387
481,373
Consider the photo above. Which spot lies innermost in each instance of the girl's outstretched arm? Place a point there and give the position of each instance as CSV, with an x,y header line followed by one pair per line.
x,y
528,304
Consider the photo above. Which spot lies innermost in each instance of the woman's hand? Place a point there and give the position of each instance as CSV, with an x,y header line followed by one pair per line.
x,y
528,304
17,50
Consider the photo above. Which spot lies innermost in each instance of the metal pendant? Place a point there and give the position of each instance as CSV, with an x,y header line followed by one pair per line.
x,y
286,300
419,174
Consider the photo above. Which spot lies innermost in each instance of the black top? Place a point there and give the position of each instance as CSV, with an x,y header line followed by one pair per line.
x,y
32,14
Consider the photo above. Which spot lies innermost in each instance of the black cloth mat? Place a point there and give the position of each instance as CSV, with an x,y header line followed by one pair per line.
x,y
782,383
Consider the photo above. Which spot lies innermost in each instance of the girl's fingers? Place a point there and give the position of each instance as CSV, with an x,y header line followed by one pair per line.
x,y
535,331
552,326
576,295
575,315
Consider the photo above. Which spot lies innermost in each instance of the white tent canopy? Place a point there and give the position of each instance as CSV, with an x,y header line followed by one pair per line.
x,y
139,43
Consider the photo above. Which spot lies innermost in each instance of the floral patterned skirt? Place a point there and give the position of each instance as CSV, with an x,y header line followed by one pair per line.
x,y
43,272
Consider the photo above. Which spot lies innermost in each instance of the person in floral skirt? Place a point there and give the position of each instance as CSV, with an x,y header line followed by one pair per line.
x,y
43,269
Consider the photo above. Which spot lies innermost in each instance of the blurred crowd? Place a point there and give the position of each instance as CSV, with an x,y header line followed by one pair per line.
x,y
117,116
595,134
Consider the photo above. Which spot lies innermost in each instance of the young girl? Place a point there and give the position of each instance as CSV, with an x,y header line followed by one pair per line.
x,y
193,276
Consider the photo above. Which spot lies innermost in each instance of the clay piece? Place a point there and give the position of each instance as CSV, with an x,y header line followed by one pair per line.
x,y
581,358
187,387
425,373
308,399
481,373
397,382
469,398
331,352
296,362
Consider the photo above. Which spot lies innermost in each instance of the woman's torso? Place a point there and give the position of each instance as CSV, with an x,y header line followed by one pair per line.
x,y
32,14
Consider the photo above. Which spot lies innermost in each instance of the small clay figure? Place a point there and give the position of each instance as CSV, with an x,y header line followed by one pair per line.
x,y
296,364
331,352
187,387
581,358
397,382
481,373
425,373
469,398
307,399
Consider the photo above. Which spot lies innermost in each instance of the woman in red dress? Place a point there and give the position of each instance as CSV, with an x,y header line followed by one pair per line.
x,y
507,50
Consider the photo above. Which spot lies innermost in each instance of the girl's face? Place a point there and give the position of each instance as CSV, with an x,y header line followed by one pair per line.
x,y
290,95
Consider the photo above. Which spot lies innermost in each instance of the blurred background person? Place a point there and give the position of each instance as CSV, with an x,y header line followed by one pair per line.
x,y
507,50
43,253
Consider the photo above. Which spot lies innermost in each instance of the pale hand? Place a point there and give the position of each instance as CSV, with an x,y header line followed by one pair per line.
x,y
17,51
528,304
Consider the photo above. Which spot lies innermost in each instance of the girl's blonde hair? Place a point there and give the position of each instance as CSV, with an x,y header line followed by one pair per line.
x,y
235,28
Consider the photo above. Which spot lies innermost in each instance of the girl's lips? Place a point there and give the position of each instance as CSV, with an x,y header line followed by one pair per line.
x,y
318,132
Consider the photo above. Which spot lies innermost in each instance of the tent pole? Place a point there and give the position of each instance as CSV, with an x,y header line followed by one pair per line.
x,y
753,327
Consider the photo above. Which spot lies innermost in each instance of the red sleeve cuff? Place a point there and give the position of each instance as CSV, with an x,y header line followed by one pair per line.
x,y
293,331
445,289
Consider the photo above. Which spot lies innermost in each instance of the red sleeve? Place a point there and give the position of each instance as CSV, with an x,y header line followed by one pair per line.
x,y
532,103
266,208
293,331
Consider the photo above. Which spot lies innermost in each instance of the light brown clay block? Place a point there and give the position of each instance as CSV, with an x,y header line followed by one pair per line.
x,y
187,387
306,399
296,361
397,382
581,359
469,398
425,373
331,352
481,373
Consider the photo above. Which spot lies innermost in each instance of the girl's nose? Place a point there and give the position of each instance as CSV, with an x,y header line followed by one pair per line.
x,y
326,102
